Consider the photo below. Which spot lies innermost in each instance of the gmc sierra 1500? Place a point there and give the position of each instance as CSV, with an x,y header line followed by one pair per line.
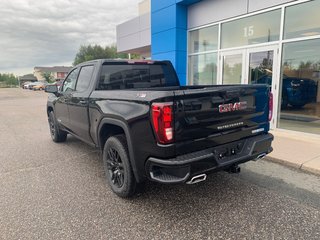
x,y
150,127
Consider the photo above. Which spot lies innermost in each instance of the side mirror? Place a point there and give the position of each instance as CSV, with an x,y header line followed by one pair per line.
x,y
51,89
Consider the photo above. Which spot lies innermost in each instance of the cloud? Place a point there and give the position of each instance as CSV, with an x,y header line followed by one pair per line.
x,y
50,32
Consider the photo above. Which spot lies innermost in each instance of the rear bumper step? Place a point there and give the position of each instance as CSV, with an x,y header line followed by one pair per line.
x,y
183,168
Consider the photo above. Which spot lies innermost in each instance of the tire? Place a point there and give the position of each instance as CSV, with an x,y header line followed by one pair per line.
x,y
56,133
117,166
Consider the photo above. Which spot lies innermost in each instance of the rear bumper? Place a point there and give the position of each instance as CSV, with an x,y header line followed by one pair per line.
x,y
184,167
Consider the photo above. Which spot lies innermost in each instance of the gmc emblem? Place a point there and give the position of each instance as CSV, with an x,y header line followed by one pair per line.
x,y
231,107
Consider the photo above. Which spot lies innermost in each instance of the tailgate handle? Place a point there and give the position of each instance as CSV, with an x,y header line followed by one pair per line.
x,y
194,105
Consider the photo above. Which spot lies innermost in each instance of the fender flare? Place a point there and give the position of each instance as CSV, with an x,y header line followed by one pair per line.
x,y
125,128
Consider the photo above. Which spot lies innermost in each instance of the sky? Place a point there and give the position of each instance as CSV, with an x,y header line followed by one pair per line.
x,y
50,32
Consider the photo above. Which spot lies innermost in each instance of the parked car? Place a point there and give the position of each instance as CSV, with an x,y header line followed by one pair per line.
x,y
30,86
296,92
26,85
39,86
149,127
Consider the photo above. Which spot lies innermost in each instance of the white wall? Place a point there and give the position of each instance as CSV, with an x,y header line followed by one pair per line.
x,y
255,5
144,7
134,34
210,11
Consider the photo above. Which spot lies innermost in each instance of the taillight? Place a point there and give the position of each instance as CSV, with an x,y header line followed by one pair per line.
x,y
162,119
270,106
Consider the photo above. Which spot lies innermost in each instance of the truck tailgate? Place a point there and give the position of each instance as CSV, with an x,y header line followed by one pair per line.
x,y
214,115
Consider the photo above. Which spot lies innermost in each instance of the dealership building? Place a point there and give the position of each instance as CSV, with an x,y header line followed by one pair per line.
x,y
276,42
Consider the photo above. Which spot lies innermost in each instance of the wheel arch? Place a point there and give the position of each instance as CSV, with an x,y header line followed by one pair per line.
x,y
49,109
110,127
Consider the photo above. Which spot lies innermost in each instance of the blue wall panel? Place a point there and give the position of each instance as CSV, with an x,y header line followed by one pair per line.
x,y
169,34
181,16
163,41
160,4
173,39
181,39
187,2
181,60
166,56
164,19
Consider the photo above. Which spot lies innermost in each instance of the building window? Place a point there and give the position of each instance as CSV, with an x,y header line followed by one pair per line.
x,y
203,69
261,28
232,69
302,20
202,40
300,93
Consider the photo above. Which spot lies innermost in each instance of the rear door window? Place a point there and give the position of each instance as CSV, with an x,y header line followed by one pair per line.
x,y
84,78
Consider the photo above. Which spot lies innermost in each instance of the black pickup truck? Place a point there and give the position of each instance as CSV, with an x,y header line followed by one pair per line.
x,y
150,127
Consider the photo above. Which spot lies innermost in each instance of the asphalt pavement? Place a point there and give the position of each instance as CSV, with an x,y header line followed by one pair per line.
x,y
58,191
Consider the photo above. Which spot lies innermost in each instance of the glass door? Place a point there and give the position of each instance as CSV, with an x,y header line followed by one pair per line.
x,y
261,69
232,67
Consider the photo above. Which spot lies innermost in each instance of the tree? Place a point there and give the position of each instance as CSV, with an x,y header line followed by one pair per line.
x,y
8,80
91,52
47,76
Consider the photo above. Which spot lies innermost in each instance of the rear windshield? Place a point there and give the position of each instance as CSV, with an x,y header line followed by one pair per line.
x,y
127,76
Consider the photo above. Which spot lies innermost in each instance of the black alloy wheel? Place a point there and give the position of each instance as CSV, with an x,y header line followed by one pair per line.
x,y
115,167
56,133
51,126
119,174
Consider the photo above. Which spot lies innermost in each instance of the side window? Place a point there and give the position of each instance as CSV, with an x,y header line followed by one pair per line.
x,y
84,78
70,82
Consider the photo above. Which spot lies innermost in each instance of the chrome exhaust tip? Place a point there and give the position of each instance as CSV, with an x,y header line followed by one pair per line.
x,y
197,179
261,156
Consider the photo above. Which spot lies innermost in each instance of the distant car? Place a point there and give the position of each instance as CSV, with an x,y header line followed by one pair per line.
x,y
39,86
296,92
26,85
30,85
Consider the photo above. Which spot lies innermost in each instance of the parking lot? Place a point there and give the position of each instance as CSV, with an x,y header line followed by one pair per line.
x,y
58,191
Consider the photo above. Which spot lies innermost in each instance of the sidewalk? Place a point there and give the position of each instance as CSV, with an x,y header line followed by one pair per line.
x,y
296,150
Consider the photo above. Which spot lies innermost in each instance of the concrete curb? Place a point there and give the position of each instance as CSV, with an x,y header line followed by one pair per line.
x,y
303,167
312,166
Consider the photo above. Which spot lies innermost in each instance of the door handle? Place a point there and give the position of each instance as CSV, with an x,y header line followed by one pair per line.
x,y
83,102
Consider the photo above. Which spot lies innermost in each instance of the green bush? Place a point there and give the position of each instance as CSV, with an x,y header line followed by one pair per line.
x,y
8,80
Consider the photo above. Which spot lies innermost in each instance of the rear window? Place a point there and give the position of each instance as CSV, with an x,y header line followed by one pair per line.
x,y
128,76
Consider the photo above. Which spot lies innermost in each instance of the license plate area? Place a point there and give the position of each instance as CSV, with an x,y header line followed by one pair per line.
x,y
227,152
